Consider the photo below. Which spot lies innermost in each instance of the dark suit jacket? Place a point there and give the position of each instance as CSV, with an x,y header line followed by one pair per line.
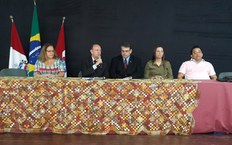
x,y
88,71
134,68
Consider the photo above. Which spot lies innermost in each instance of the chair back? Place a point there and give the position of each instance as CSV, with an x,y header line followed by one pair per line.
x,y
13,72
80,74
225,77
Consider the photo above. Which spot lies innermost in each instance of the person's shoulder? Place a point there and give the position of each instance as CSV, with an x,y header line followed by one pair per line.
x,y
135,57
58,60
166,62
207,62
149,63
38,61
187,62
117,57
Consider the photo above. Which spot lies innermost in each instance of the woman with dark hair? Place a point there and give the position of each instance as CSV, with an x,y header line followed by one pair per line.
x,y
49,64
158,67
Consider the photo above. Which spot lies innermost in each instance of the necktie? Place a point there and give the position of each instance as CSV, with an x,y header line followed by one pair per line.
x,y
125,63
94,62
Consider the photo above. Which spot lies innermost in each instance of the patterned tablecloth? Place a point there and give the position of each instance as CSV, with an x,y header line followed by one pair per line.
x,y
72,105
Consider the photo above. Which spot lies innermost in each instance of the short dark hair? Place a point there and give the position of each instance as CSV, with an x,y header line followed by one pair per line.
x,y
126,44
195,46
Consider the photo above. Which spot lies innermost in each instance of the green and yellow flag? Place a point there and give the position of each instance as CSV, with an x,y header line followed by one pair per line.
x,y
35,43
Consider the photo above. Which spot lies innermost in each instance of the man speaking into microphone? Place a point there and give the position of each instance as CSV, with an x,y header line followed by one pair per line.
x,y
94,66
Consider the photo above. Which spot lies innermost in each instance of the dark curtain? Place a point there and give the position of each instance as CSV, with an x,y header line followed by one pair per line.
x,y
175,25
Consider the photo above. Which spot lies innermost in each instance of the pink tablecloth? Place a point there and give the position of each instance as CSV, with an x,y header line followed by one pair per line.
x,y
214,111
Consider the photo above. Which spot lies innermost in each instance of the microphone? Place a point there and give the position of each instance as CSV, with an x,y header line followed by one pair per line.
x,y
100,62
100,65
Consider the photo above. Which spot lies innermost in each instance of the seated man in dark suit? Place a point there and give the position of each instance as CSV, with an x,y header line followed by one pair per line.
x,y
94,66
126,65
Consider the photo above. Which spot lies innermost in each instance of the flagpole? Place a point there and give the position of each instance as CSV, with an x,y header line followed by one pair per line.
x,y
11,17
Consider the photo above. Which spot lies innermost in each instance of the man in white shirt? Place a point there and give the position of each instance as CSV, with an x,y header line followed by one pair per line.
x,y
197,68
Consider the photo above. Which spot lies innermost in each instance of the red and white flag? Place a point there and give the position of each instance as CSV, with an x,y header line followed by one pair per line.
x,y
17,58
60,45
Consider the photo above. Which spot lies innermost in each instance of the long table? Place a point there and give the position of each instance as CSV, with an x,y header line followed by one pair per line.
x,y
214,111
73,105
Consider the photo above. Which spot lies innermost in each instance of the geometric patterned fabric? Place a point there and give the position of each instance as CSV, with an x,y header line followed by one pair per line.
x,y
73,105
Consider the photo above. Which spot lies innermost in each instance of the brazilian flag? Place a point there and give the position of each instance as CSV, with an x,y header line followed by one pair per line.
x,y
35,43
